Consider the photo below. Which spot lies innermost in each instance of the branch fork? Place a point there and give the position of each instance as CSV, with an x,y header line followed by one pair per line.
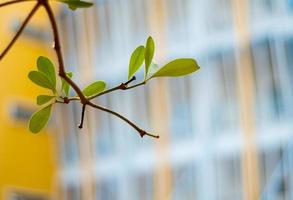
x,y
124,86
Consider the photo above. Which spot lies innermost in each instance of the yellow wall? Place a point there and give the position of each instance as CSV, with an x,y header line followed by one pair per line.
x,y
26,160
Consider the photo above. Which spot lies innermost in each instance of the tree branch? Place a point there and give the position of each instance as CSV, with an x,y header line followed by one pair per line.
x,y
122,86
140,131
62,73
57,47
13,2
20,30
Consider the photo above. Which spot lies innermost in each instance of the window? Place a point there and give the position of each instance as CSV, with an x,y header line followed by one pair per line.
x,y
181,114
70,141
104,135
228,176
289,51
21,113
143,187
223,94
184,182
26,196
262,9
267,89
290,4
177,12
218,15
273,174
73,191
107,189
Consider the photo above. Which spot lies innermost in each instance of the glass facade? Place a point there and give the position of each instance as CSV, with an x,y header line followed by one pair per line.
x,y
200,117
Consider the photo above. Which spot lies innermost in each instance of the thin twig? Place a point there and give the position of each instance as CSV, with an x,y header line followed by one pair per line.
x,y
134,86
122,86
140,131
73,98
13,2
82,116
57,47
130,80
61,102
32,12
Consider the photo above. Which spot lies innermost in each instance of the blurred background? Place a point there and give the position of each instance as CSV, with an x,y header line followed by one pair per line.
x,y
226,131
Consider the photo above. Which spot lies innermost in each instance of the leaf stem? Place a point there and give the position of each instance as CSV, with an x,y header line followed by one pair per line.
x,y
32,12
140,131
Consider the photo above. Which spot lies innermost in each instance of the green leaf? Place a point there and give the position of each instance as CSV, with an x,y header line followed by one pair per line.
x,y
47,67
39,119
74,4
154,67
94,88
41,79
178,67
136,60
42,99
65,85
149,54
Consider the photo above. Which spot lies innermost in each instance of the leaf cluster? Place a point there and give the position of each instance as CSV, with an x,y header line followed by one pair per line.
x,y
145,54
59,86
45,76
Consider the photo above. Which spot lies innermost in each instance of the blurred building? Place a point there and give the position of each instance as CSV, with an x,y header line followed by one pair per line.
x,y
226,131
27,162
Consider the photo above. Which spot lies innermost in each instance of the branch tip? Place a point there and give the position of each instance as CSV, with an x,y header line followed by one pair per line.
x,y
124,86
82,116
143,133
130,80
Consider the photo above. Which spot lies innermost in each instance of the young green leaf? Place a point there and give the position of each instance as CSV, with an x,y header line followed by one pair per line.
x,y
39,119
154,67
65,85
136,60
149,54
94,88
178,67
42,99
47,67
74,4
41,79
